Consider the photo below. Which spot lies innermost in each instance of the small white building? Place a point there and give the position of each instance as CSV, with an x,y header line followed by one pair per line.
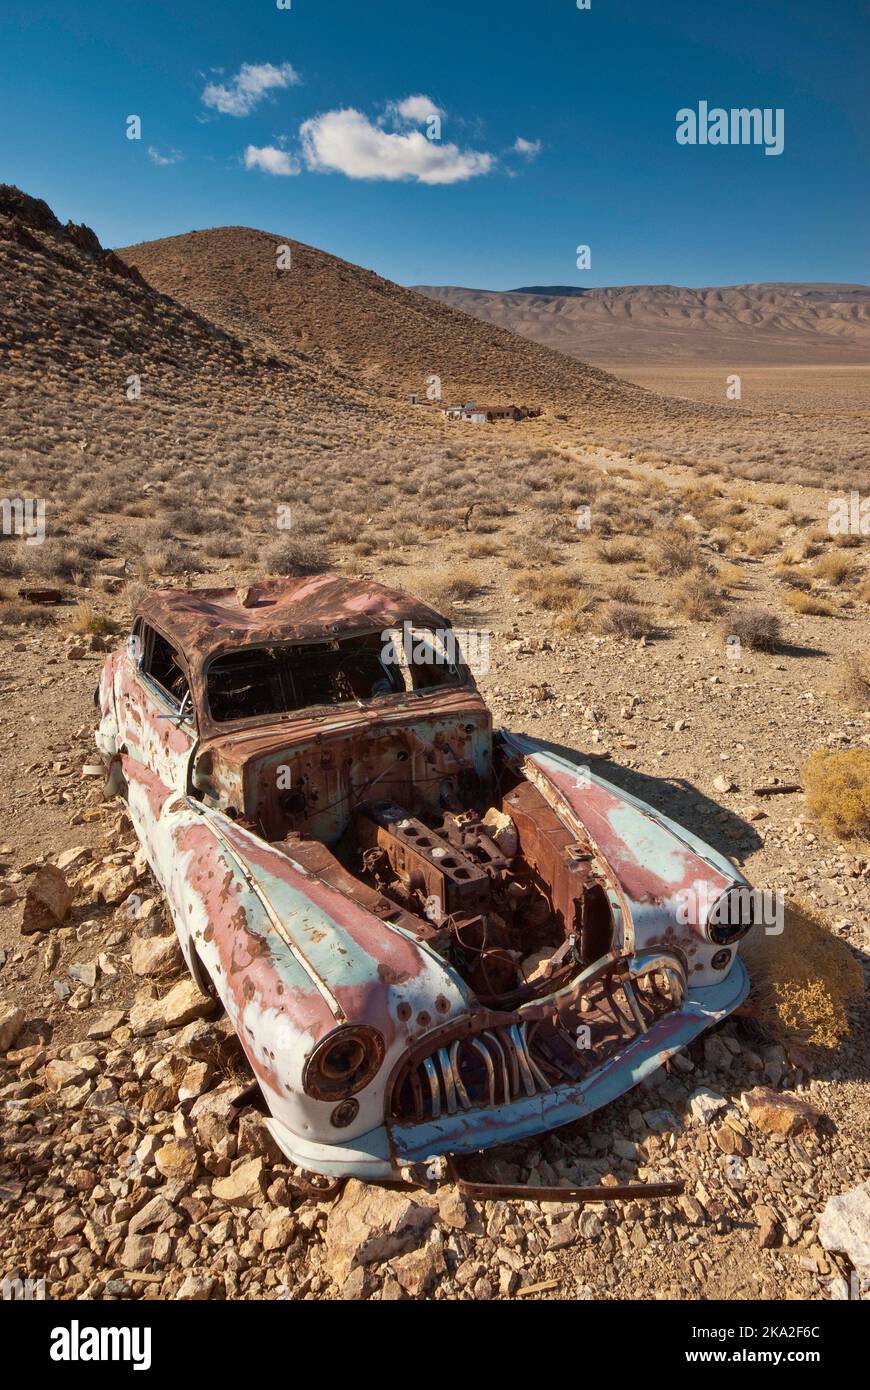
x,y
487,414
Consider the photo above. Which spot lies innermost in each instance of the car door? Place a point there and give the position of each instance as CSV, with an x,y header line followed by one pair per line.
x,y
157,727
157,722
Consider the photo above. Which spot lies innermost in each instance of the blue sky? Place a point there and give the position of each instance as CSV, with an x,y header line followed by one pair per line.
x,y
594,94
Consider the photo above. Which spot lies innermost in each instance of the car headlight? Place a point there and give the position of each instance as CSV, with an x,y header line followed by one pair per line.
x,y
732,915
343,1063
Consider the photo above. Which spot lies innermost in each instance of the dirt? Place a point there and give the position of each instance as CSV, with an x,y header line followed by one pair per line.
x,y
808,388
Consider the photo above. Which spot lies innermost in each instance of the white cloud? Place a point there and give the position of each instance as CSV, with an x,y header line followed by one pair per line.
x,y
417,109
346,142
529,149
240,95
270,160
171,157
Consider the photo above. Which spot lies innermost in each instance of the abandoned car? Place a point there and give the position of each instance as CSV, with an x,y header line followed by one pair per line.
x,y
430,937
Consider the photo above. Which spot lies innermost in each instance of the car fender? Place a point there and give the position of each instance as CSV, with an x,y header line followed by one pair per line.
x,y
291,958
667,878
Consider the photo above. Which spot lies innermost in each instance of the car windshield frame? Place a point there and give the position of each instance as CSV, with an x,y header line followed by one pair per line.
x,y
458,676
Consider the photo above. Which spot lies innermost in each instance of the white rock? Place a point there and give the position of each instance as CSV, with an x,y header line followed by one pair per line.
x,y
369,1224
704,1104
155,955
845,1226
183,1003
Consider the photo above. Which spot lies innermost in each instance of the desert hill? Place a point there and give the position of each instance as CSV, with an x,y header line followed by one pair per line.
x,y
774,324
390,337
115,395
70,306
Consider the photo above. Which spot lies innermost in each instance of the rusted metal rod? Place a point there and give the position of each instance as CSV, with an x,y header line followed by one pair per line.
x,y
625,1192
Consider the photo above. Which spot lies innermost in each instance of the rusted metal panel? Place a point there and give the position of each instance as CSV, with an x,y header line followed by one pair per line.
x,y
339,757
664,873
205,621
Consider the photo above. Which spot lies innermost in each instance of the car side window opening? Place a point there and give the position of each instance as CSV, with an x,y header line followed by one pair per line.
x,y
263,681
160,664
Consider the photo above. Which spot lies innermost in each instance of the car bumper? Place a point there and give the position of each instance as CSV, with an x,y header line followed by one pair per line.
x,y
396,1150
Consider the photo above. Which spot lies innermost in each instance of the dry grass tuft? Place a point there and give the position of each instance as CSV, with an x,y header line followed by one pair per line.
x,y
299,556
755,628
803,981
622,592
853,686
459,585
555,593
697,597
761,541
88,620
11,563
730,576
673,553
837,786
836,569
810,605
617,552
794,578
575,617
482,548
625,620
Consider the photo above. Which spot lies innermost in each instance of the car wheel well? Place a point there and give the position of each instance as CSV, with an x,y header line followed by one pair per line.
x,y
201,977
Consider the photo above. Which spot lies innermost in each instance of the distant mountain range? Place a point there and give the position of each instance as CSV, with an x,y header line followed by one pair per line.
x,y
731,325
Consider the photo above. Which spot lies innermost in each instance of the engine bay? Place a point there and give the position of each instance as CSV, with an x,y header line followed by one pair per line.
x,y
520,909
508,897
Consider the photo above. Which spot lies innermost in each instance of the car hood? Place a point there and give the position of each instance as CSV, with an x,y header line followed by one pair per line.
x,y
665,877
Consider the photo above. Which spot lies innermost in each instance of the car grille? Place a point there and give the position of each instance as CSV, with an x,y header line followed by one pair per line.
x,y
528,1056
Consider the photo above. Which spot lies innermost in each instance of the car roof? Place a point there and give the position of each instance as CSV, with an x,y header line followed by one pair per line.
x,y
203,622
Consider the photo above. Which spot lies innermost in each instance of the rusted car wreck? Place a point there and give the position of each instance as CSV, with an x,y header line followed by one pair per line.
x,y
430,937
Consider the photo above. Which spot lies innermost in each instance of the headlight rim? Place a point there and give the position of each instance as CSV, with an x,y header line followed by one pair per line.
x,y
720,936
321,1086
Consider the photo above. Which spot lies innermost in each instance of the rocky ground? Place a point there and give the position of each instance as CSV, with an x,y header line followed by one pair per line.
x,y
132,1166
128,1170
